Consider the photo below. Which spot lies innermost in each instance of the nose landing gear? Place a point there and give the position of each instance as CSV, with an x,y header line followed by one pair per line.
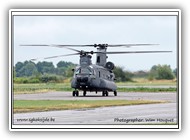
x,y
84,93
105,93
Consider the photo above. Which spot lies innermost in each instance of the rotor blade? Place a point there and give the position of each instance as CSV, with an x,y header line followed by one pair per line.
x,y
34,45
109,45
57,45
73,49
55,56
75,45
136,52
94,45
51,46
79,53
130,45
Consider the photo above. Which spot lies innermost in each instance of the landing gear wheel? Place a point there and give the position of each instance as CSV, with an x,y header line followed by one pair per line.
x,y
75,93
84,93
105,93
115,93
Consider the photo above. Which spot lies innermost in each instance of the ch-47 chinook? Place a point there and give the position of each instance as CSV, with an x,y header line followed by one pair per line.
x,y
97,77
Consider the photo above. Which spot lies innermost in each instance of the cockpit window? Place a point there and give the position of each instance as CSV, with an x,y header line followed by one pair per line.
x,y
78,71
86,70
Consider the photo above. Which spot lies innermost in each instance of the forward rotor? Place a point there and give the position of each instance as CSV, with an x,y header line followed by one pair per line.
x,y
94,45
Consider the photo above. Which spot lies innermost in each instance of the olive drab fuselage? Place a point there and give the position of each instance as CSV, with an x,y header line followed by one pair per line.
x,y
94,77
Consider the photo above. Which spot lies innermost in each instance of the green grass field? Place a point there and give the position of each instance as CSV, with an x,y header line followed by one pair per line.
x,y
139,83
22,106
146,82
40,88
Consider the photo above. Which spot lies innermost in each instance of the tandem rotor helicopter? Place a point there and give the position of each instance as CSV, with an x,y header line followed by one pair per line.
x,y
97,77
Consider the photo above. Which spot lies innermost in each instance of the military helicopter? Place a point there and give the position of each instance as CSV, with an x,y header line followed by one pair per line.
x,y
97,77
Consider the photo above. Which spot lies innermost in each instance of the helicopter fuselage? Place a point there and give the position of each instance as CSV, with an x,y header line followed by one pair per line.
x,y
93,78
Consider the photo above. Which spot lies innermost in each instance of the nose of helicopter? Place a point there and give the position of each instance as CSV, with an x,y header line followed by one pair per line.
x,y
82,79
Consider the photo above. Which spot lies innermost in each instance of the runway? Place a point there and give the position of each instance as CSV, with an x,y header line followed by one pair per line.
x,y
155,113
136,114
164,96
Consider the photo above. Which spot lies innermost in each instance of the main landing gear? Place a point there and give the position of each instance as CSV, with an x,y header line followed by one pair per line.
x,y
104,93
76,93
115,93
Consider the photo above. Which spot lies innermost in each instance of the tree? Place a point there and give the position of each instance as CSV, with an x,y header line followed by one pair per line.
x,y
69,73
18,66
140,74
28,69
122,75
161,72
175,72
153,73
45,67
165,72
65,68
60,71
63,64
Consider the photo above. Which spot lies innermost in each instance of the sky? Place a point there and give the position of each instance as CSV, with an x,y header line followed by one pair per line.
x,y
78,30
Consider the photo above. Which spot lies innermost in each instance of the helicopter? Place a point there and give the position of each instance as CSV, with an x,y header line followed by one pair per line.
x,y
99,77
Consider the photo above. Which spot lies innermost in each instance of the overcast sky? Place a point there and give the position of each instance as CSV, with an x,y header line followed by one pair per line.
x,y
98,29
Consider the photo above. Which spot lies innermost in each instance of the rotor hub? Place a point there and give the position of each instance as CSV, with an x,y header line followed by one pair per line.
x,y
101,45
84,53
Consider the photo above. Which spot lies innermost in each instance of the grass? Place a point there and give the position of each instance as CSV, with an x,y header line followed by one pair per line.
x,y
146,82
147,89
22,106
42,87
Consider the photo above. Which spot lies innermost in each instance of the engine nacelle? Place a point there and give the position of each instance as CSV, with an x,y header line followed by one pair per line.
x,y
109,65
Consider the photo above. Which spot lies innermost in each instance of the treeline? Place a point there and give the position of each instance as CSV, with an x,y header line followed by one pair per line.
x,y
157,72
43,72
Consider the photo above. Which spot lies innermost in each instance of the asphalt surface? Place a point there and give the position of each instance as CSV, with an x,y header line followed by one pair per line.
x,y
136,114
165,96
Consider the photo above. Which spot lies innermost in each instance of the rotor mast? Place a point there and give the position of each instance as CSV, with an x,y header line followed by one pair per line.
x,y
85,60
101,58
